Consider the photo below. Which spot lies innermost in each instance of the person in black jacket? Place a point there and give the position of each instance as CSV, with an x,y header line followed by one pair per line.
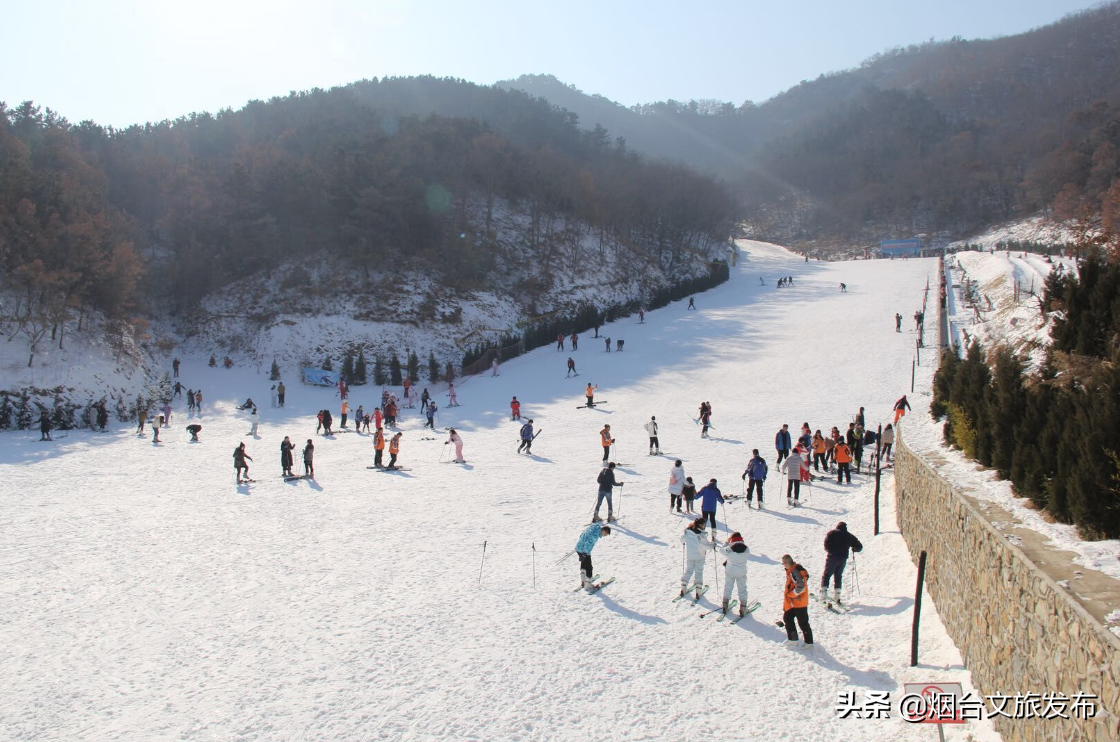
x,y
836,546
286,457
607,483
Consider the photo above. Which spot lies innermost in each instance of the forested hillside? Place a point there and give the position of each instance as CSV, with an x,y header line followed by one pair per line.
x,y
377,176
942,138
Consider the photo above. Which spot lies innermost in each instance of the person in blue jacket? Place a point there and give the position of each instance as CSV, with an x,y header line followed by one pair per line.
x,y
710,498
526,437
586,543
783,443
756,472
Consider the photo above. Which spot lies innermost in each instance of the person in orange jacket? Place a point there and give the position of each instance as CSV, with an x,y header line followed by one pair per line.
x,y
378,446
607,441
394,449
515,409
795,601
590,394
900,408
344,409
819,452
843,462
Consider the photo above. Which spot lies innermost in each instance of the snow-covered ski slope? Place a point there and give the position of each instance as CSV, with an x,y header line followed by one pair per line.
x,y
145,596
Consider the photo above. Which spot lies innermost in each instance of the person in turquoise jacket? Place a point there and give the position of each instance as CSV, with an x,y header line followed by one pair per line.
x,y
586,543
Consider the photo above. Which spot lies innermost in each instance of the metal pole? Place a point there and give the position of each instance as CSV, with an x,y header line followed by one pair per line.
x,y
534,564
912,370
483,563
918,351
917,610
878,473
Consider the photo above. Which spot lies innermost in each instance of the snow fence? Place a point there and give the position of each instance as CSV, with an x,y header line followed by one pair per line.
x,y
1017,629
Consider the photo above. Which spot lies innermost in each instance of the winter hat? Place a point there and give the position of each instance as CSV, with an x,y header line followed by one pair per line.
x,y
841,526
735,538
711,481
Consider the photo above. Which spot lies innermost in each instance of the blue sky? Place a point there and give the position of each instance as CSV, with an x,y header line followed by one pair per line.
x,y
123,62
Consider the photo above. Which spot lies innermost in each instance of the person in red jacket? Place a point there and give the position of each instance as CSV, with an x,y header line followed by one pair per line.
x,y
515,409
900,408
795,601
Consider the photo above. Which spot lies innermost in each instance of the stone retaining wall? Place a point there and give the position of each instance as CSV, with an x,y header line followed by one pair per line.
x,y
1017,629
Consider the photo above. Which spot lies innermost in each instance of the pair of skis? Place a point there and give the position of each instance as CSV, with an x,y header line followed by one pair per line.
x,y
593,404
694,598
595,587
838,608
753,606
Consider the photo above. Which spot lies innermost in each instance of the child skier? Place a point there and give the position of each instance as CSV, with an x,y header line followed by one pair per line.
x,y
458,441
676,485
584,545
736,555
696,548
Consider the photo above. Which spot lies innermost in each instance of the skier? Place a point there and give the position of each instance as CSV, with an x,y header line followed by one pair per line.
x,y
458,441
560,341
394,449
691,302
430,413
344,410
213,362
689,493
175,367
240,456
309,459
275,396
575,341
590,394
618,345
515,409
178,389
141,417
607,483
792,469
358,417
155,429
45,425
248,404
654,445
843,454
198,402
736,555
836,546
451,393
761,282
378,446
696,548
165,420
493,371
526,437
819,451
424,399
606,440
190,402
710,498
888,441
377,418
676,485
391,413
843,288
571,368
795,601
641,316
783,443
103,416
705,419
280,394
194,430
319,421
756,472
897,322
900,408
608,344
286,459
254,419
584,545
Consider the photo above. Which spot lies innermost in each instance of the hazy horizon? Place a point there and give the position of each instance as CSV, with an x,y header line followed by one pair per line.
x,y
137,62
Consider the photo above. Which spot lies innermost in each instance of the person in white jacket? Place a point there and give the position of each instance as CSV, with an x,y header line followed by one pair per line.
x,y
676,484
654,446
255,419
736,554
696,548
792,469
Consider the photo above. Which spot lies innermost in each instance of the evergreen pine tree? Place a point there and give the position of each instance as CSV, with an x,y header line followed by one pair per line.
x,y
360,367
141,405
449,373
123,413
165,389
24,415
347,371
413,367
327,365
61,414
6,410
379,372
433,367
395,370
274,372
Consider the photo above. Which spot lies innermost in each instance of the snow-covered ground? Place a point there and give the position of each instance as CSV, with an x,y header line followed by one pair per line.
x,y
145,596
1036,229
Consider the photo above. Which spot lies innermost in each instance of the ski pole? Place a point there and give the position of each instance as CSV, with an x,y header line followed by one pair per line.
x,y
534,564
561,559
480,566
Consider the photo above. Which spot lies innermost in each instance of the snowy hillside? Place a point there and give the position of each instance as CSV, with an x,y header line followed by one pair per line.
x,y
145,596
302,311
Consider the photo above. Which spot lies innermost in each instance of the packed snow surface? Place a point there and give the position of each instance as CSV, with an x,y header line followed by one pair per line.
x,y
146,596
